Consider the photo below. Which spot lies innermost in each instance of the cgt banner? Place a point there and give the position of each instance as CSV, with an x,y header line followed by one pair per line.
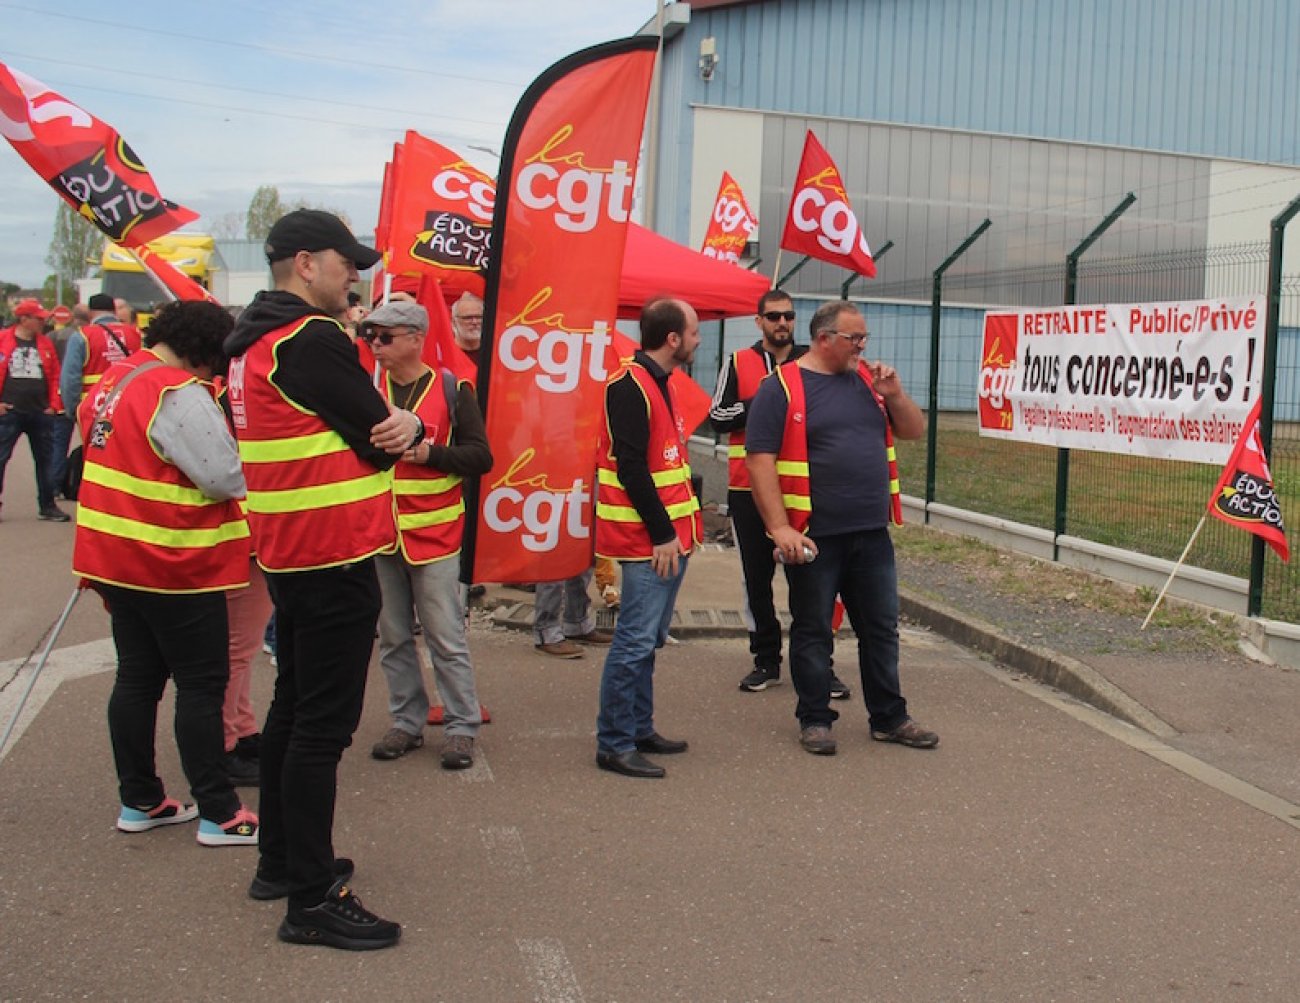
x,y
551,301
1167,380
85,161
731,225
821,224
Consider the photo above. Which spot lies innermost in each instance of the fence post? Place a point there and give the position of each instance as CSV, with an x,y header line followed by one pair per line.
x,y
932,424
1071,284
853,277
1272,319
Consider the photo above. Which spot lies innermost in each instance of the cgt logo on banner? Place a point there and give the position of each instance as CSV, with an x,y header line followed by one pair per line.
x,y
998,372
731,224
821,224
561,215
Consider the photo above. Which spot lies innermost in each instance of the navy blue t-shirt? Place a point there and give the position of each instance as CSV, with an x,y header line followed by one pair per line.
x,y
847,467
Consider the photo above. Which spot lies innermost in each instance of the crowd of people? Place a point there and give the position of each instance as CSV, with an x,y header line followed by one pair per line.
x,y
240,470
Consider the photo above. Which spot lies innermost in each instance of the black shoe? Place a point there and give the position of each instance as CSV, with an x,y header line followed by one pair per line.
x,y
54,514
760,679
242,772
660,746
630,764
269,889
339,921
838,690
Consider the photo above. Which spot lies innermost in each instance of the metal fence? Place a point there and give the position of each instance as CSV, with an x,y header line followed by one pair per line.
x,y
1133,503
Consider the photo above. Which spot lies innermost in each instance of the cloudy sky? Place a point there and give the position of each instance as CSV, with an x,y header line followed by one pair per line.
x,y
218,98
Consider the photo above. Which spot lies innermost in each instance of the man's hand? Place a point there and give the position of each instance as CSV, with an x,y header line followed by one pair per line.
x,y
5,408
885,379
790,544
395,433
664,558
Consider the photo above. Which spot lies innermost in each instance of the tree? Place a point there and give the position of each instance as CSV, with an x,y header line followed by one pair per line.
x,y
74,248
264,209
228,226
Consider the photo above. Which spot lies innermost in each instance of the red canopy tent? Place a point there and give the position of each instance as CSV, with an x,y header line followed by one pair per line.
x,y
653,265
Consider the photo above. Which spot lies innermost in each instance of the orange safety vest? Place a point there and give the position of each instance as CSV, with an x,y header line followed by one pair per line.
x,y
792,459
103,351
430,508
312,501
751,369
620,533
141,523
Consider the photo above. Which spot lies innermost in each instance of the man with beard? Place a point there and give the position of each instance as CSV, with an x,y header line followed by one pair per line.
x,y
318,443
737,384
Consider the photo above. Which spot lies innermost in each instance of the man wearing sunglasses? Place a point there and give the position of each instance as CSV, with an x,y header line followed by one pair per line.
x,y
825,480
737,384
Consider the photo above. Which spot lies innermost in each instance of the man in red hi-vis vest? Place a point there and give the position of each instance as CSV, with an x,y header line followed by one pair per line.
x,y
318,443
738,382
648,519
425,572
821,463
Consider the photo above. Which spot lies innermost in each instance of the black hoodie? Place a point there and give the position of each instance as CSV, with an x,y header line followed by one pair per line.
x,y
318,370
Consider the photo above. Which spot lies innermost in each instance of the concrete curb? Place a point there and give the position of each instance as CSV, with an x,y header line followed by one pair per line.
x,y
1066,674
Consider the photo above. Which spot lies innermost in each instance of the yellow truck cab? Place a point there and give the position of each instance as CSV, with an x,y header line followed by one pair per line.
x,y
124,277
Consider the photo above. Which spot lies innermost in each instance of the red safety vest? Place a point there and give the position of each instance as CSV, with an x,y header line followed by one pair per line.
x,y
430,508
792,460
141,523
620,533
102,351
312,501
751,369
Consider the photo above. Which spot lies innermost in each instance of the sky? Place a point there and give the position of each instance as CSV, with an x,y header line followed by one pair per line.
x,y
218,98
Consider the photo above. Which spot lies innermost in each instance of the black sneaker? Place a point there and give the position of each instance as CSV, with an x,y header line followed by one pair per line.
x,y
760,679
53,513
269,889
242,772
339,921
839,691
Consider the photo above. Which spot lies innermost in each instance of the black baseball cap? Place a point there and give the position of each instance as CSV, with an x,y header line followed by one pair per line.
x,y
316,230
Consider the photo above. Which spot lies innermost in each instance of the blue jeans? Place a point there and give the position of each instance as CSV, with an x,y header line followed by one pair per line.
x,y
860,567
562,609
627,684
39,428
61,427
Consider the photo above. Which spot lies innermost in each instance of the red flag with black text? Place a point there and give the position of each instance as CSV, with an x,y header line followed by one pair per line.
x,y
1244,496
85,161
821,223
559,229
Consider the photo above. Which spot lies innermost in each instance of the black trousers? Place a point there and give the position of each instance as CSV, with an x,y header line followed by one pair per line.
x,y
184,638
758,567
325,629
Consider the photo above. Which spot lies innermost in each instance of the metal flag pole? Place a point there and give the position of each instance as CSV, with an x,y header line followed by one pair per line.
x,y
40,664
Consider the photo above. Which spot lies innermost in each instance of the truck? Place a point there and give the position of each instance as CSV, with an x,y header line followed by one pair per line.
x,y
123,277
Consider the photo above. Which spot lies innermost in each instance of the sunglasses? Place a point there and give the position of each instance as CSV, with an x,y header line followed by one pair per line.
x,y
772,316
383,337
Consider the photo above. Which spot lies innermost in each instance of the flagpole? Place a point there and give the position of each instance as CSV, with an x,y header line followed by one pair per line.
x,y
777,270
1195,533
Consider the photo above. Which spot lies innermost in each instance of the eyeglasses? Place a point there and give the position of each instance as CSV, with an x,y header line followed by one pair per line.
x,y
857,339
370,335
772,316
471,318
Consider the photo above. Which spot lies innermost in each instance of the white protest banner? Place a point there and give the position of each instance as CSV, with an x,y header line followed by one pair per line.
x,y
1167,380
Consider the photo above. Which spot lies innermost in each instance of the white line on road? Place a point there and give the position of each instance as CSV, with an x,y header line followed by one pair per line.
x,y
505,850
64,663
549,969
480,772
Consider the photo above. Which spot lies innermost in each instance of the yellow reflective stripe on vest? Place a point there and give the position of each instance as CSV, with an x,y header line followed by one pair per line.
x,y
300,447
736,452
423,520
678,475
304,499
434,486
626,513
131,529
791,468
797,503
90,379
139,487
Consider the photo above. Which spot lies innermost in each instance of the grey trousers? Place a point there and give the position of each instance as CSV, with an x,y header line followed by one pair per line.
x,y
569,599
435,592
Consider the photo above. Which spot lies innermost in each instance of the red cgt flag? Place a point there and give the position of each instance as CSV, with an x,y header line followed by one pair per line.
x,y
1244,496
439,220
731,224
821,223
85,161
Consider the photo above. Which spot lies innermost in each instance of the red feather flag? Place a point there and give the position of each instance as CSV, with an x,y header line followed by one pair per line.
x,y
1244,496
821,223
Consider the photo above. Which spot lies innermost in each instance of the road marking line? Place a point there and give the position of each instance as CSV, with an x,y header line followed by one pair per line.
x,y
548,967
63,664
479,773
505,849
